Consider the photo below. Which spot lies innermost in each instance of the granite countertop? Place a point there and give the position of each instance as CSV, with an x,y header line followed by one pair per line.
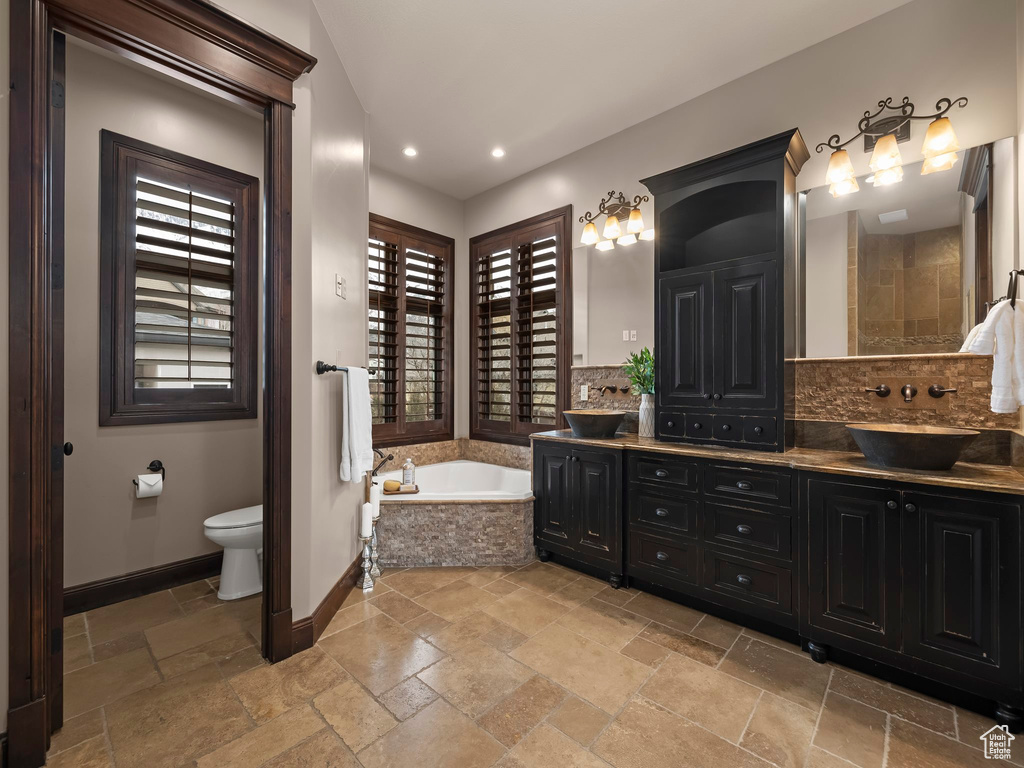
x,y
978,477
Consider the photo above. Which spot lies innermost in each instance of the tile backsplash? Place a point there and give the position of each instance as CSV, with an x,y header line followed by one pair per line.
x,y
515,456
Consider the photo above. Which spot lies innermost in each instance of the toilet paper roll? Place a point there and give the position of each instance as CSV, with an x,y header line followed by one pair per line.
x,y
149,485
375,500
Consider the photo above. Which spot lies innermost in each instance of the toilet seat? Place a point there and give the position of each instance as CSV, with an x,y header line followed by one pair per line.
x,y
236,518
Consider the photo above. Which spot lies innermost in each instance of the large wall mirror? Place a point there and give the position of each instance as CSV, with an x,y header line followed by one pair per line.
x,y
908,268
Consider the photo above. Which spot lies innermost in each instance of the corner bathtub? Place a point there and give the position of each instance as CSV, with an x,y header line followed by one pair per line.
x,y
465,480
466,513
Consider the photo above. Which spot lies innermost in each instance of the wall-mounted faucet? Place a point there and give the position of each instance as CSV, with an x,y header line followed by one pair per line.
x,y
882,390
936,391
608,388
383,460
908,391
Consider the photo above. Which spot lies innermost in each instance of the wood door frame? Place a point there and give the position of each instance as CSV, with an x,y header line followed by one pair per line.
x,y
205,46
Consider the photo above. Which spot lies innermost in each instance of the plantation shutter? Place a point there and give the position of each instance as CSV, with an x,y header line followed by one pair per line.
x,y
521,331
410,332
184,288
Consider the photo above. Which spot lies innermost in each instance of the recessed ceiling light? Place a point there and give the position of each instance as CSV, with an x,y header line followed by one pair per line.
x,y
409,151
497,152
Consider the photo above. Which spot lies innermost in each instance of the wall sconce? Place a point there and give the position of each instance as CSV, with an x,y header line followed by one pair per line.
x,y
882,135
617,209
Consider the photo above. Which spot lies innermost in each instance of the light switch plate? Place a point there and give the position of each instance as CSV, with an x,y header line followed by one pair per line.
x,y
632,335
340,286
584,392
625,335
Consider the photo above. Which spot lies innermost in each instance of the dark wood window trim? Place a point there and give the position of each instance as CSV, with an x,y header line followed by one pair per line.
x,y
122,161
518,240
398,301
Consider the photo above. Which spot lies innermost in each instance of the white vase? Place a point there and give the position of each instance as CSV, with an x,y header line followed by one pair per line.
x,y
646,425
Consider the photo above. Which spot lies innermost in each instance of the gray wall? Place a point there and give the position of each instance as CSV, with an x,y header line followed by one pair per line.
x,y
211,466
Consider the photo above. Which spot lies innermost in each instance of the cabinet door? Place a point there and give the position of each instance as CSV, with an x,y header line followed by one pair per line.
x,y
551,486
597,503
961,584
745,354
683,343
854,561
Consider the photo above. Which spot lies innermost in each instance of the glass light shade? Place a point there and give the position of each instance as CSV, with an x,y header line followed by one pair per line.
x,y
605,245
612,228
635,225
938,163
844,187
627,239
840,168
647,234
886,154
940,138
590,236
886,177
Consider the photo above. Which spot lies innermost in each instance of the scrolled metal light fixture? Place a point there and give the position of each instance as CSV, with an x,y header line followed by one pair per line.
x,y
617,209
882,134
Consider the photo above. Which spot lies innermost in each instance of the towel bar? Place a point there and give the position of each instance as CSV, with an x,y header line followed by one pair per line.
x,y
322,368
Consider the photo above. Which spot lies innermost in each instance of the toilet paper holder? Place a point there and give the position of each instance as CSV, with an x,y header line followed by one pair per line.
x,y
154,466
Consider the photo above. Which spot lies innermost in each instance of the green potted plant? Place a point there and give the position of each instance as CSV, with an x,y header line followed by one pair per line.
x,y
639,367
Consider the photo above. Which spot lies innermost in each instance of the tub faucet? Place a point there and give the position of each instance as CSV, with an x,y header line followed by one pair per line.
x,y
383,460
908,392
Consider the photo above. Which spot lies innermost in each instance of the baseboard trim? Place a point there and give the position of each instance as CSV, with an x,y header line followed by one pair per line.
x,y
96,594
305,632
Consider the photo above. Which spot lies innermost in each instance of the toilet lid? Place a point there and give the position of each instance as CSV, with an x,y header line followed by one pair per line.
x,y
236,518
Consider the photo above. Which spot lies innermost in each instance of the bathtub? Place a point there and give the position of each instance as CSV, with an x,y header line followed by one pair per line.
x,y
464,480
466,513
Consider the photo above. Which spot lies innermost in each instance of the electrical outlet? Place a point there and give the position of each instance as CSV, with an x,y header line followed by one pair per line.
x,y
584,392
625,335
632,335
340,286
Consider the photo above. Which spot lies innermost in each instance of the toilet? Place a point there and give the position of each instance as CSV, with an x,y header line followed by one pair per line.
x,y
240,532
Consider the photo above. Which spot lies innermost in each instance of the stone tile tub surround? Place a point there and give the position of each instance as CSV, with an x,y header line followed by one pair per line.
x,y
422,454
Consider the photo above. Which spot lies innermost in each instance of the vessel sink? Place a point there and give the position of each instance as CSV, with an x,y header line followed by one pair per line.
x,y
593,422
911,447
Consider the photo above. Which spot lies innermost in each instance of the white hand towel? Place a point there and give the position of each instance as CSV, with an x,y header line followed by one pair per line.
x,y
1018,355
971,336
357,427
1002,323
981,340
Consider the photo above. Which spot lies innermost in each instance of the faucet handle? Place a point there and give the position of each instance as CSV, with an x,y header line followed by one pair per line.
x,y
936,391
882,390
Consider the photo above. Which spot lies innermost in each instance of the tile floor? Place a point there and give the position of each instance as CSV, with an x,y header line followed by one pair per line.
x,y
469,668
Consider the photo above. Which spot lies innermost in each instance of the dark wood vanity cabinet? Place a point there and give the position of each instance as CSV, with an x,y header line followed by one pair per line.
x,y
724,266
578,505
925,581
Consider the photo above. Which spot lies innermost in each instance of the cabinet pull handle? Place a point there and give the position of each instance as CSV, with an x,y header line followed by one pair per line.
x,y
660,473
661,512
744,529
910,508
717,396
697,425
891,504
743,485
670,424
661,555
745,580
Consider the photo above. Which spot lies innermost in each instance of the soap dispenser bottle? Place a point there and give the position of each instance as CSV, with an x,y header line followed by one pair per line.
x,y
408,473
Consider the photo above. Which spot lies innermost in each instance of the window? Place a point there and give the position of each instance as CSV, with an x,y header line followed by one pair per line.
x,y
520,294
410,318
179,259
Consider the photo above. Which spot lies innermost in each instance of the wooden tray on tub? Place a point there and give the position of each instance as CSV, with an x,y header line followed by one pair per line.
x,y
399,493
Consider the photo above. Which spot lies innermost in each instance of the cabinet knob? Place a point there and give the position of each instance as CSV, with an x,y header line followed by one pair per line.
x,y
717,396
707,396
891,504
670,424
697,425
758,430
745,580
726,427
661,512
743,485
661,555
660,473
910,508
744,529
575,458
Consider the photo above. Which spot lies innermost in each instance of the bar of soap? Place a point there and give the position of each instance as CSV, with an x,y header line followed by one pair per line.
x,y
392,485
411,487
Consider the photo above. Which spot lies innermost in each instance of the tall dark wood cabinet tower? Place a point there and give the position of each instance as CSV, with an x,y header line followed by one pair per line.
x,y
725,299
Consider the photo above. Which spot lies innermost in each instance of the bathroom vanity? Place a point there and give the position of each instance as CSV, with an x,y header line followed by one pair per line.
x,y
919,572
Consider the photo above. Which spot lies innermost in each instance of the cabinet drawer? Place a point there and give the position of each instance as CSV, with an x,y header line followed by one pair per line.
x,y
760,429
728,427
757,583
700,426
674,514
771,486
676,560
679,475
671,424
758,531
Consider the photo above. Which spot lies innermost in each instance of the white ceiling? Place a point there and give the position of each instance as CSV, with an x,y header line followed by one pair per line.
x,y
543,78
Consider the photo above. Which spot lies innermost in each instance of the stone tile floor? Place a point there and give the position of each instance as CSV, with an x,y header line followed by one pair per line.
x,y
469,668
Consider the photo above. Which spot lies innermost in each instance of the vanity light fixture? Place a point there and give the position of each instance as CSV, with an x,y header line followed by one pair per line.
x,y
616,208
882,134
409,152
